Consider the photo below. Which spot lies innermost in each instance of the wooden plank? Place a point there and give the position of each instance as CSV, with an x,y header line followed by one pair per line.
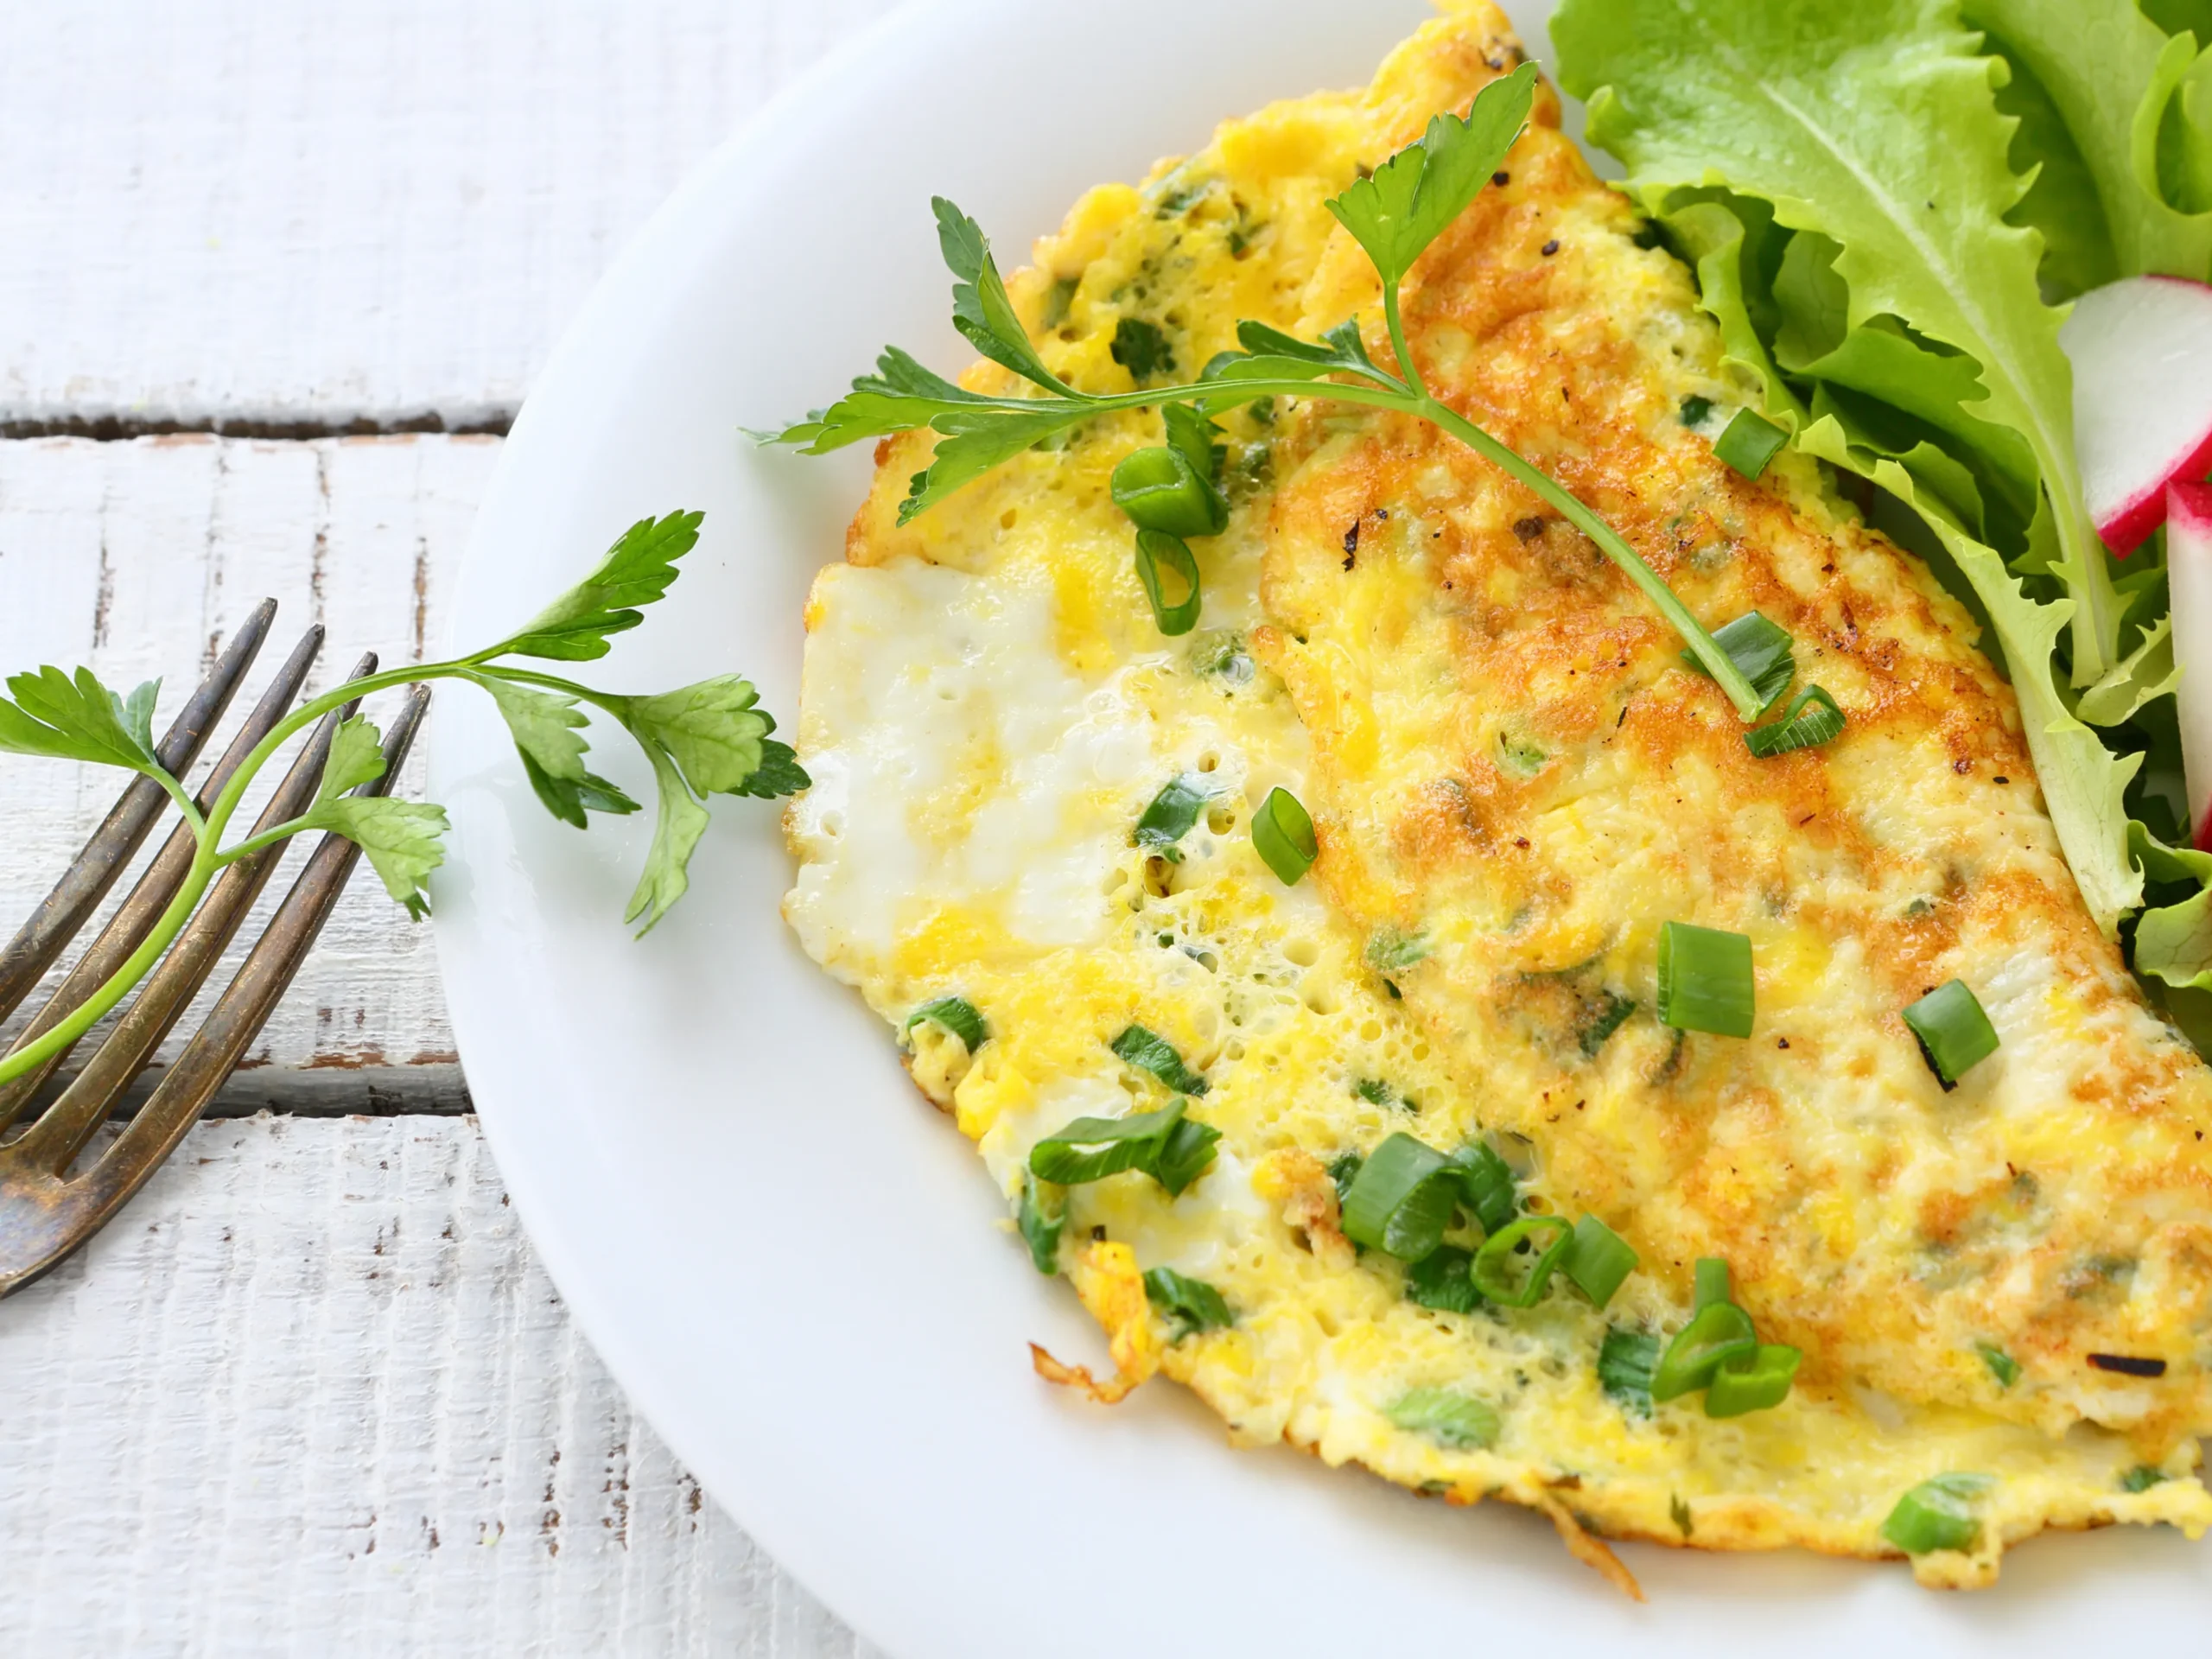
x,y
263,214
313,1394
137,558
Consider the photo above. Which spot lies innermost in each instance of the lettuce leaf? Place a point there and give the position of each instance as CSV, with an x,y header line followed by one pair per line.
x,y
1875,124
2114,79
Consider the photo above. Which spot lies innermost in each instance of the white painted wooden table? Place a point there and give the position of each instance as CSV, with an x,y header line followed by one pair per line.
x,y
276,277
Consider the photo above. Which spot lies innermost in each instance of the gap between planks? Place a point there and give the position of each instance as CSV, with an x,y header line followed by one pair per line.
x,y
138,558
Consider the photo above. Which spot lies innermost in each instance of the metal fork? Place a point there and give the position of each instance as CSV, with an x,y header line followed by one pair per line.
x,y
48,1208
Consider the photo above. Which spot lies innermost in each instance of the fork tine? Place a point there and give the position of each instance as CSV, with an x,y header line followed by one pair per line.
x,y
55,922
135,917
61,1131
235,1020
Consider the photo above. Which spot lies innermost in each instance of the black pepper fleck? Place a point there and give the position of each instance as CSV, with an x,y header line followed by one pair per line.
x,y
1529,529
1501,179
1551,247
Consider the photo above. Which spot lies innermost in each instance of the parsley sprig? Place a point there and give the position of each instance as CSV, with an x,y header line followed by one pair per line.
x,y
702,740
1395,215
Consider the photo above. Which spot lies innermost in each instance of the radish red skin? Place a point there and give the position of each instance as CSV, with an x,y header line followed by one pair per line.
x,y
2189,576
2132,527
2141,350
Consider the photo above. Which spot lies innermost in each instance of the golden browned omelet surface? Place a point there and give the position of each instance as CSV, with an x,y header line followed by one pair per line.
x,y
1521,772
1515,782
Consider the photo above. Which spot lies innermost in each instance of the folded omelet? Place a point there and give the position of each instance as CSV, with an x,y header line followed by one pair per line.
x,y
1516,781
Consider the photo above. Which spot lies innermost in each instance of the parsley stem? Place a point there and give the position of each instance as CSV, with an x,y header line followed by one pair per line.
x,y
206,862
1397,325
1716,662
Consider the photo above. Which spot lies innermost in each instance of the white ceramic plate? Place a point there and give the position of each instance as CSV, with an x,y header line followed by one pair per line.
x,y
797,1269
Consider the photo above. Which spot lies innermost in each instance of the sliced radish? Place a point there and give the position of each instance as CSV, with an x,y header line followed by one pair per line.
x,y
2142,356
2189,579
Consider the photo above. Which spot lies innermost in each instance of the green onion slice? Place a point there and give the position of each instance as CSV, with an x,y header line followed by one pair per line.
x,y
1812,719
1762,649
1191,434
1401,1201
1954,1031
1442,1279
1184,1155
1457,1421
1714,1336
1937,1514
1625,1366
1754,1382
1155,549
1751,444
1170,1149
1710,1286
1704,980
1283,834
1596,1260
1149,1053
1161,490
1172,814
1042,1221
2142,1477
1486,1185
957,1016
1500,1258
1091,1148
2002,1365
1192,1304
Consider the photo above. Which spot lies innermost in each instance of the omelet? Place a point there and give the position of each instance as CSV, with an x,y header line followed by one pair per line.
x,y
1029,846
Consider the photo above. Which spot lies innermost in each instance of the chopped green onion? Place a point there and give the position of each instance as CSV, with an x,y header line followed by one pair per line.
x,y
1704,980
1709,1286
1696,410
1401,1201
1389,951
1147,1052
1953,1030
1154,551
1751,444
1041,1226
1762,649
1612,1013
1625,1366
1139,347
1375,1091
1494,1263
2142,1477
1442,1279
1596,1260
1283,834
1220,653
1811,720
1754,1382
1457,1421
956,1015
1091,1148
1170,1148
1937,1514
1161,491
1521,758
1194,1304
1486,1185
1184,1155
1343,1172
1171,815
1715,1335
2002,1365
1191,434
